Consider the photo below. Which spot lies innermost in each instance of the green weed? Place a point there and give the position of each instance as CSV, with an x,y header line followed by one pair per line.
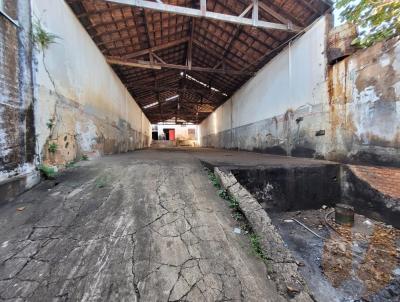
x,y
213,179
50,124
47,172
42,38
84,157
70,164
53,148
101,182
256,246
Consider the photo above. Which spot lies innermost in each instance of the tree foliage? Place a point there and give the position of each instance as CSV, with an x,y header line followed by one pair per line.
x,y
377,20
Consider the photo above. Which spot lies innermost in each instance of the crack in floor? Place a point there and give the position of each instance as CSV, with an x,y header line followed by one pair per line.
x,y
156,231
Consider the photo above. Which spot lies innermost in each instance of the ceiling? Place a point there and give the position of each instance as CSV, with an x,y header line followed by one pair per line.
x,y
182,67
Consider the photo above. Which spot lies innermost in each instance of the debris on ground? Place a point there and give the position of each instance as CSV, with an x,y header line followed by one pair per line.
x,y
20,209
356,263
237,230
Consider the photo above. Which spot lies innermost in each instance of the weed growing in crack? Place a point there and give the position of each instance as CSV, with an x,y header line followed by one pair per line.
x,y
53,148
241,219
84,157
223,194
213,178
70,164
47,172
50,124
42,38
237,216
233,204
256,246
101,181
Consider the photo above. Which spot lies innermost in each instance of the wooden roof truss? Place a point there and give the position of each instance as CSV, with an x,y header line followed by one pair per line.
x,y
183,58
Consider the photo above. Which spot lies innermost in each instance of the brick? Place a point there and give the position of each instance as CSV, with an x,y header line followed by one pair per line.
x,y
385,180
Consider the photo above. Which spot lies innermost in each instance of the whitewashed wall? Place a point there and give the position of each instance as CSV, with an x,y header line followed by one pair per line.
x,y
82,91
294,78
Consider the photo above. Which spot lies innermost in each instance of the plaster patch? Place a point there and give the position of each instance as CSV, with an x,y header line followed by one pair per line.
x,y
24,169
367,95
87,135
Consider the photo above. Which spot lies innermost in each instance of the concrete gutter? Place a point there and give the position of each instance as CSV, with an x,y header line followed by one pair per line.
x,y
281,265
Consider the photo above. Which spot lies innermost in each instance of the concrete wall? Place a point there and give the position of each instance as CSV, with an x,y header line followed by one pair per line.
x,y
364,105
66,95
79,93
17,134
298,105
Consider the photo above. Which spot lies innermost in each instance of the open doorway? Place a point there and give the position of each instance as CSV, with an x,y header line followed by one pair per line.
x,y
169,134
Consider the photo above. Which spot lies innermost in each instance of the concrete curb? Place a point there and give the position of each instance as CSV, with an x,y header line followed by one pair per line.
x,y
282,267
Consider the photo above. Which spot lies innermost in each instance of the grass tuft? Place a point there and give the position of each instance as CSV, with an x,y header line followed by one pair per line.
x,y
256,246
53,148
101,182
47,172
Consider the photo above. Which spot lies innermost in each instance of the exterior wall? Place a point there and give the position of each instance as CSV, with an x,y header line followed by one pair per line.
x,y
298,105
17,143
364,105
78,92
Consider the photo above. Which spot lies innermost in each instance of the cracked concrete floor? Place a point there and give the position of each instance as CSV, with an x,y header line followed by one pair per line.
x,y
143,226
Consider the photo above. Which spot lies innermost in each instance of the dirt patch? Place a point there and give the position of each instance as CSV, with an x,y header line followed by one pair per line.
x,y
358,263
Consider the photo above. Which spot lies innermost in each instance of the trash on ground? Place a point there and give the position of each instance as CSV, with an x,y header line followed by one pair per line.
x,y
237,230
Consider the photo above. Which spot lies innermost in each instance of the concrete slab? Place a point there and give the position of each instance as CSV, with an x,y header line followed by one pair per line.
x,y
146,226
241,159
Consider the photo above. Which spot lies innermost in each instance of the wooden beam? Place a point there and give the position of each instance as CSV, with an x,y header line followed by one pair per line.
x,y
148,65
190,44
255,13
156,48
163,89
192,12
203,7
243,14
278,16
144,64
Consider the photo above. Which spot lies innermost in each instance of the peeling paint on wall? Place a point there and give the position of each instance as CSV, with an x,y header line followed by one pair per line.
x,y
347,112
17,145
87,135
75,88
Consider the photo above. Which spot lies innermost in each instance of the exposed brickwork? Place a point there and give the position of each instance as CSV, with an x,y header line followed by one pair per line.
x,y
16,115
9,95
385,180
17,133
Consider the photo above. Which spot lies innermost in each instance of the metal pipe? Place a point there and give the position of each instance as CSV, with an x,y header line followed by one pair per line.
x,y
4,14
308,229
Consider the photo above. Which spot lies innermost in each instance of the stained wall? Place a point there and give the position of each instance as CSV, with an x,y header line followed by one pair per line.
x,y
299,105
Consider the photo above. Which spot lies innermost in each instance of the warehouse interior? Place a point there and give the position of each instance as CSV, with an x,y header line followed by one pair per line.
x,y
208,150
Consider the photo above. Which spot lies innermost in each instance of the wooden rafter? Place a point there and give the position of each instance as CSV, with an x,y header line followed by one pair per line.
x,y
156,65
158,54
192,12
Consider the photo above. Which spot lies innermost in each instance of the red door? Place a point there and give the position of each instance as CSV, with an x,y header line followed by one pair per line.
x,y
171,134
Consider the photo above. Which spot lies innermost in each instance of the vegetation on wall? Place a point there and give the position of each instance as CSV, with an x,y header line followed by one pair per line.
x,y
53,148
377,20
41,37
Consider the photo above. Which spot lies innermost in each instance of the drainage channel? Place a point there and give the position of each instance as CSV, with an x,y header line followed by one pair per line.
x,y
338,263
